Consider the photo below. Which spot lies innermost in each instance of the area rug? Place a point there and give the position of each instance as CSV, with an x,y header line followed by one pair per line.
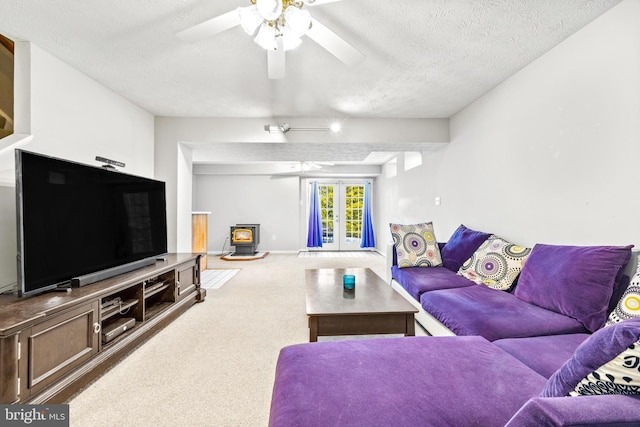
x,y
233,257
215,278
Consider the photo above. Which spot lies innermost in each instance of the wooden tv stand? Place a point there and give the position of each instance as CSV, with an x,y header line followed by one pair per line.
x,y
52,344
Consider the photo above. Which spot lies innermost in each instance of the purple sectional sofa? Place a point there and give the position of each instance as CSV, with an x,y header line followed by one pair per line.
x,y
451,381
561,290
537,353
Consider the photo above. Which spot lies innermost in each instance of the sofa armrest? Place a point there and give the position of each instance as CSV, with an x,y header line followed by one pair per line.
x,y
607,410
392,259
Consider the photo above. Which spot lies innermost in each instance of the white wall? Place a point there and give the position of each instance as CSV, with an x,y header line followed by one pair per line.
x,y
8,242
548,156
271,202
409,196
75,118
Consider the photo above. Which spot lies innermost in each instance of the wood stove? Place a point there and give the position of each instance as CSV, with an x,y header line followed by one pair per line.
x,y
245,237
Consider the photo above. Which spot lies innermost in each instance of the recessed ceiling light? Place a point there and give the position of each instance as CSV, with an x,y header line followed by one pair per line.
x,y
335,127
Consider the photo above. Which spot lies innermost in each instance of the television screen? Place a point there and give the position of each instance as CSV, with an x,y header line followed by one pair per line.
x,y
75,220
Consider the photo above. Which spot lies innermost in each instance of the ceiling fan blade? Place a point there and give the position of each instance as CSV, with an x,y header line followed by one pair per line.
x,y
210,27
334,43
275,61
306,166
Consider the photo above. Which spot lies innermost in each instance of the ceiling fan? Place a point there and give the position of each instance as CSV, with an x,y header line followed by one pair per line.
x,y
278,26
302,167
306,166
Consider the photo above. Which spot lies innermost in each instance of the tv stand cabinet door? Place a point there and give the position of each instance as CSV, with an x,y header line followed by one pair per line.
x,y
9,357
59,345
188,278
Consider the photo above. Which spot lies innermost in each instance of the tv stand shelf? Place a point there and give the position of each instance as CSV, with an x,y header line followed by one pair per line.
x,y
118,309
156,309
155,288
53,344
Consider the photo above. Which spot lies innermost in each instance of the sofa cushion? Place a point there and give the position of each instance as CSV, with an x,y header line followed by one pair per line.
x,y
416,280
406,381
416,245
496,263
576,281
479,310
606,363
629,304
546,354
460,246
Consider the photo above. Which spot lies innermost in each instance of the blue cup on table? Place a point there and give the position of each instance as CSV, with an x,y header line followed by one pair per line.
x,y
349,281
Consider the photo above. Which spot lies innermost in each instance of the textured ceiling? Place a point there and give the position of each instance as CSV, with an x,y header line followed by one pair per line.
x,y
423,58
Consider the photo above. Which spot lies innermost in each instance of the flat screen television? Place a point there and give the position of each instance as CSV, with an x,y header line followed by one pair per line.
x,y
77,224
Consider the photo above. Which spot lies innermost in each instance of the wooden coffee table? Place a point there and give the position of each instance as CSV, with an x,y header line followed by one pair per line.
x,y
373,307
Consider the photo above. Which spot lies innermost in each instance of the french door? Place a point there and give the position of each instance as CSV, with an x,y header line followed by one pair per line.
x,y
341,205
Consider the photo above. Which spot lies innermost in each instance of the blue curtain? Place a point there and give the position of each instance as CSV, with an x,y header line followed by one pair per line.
x,y
314,234
367,241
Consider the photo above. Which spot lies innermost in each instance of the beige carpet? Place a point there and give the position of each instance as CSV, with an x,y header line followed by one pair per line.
x,y
214,365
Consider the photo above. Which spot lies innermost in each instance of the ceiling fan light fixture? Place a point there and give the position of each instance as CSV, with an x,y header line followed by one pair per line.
x,y
297,21
284,128
275,18
289,41
250,19
266,37
270,10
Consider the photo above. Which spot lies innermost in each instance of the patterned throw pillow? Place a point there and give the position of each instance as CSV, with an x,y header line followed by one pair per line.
x,y
416,245
605,363
618,376
496,264
629,304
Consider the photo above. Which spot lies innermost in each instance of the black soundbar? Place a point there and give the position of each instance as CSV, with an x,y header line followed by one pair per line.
x,y
90,278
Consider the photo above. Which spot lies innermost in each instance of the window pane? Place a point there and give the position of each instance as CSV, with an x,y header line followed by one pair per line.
x,y
354,198
326,203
